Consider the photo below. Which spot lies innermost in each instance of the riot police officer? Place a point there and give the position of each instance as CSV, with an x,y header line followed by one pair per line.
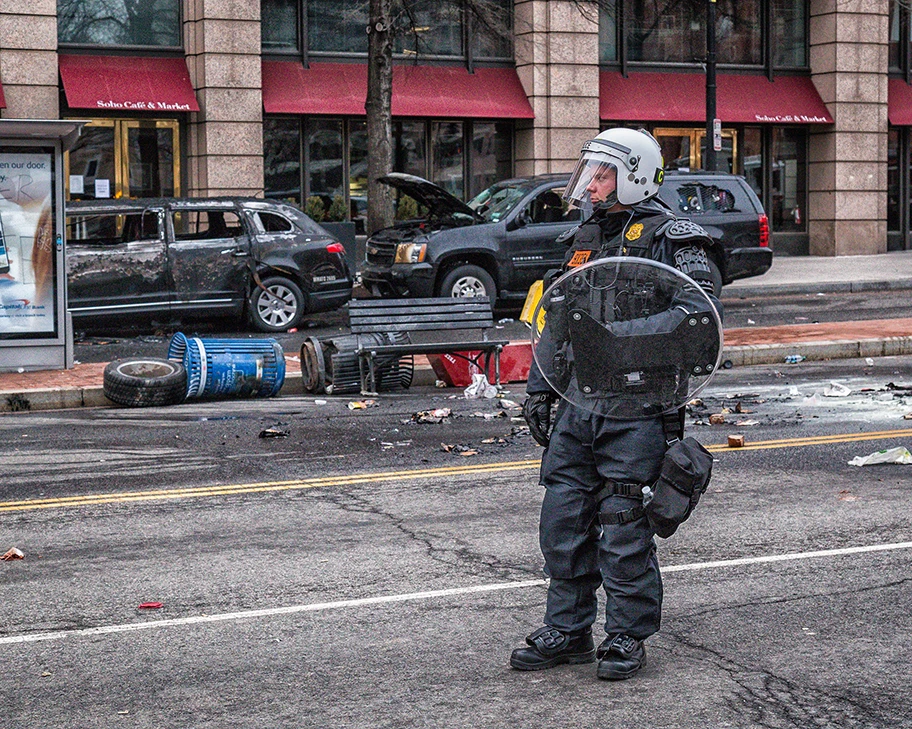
x,y
594,467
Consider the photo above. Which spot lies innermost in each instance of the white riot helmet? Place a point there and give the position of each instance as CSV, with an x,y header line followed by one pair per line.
x,y
636,158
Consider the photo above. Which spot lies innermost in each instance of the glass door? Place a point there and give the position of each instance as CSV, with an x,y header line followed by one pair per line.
x,y
124,158
683,149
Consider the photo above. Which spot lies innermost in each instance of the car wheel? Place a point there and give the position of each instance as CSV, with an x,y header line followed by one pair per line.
x,y
145,382
716,277
468,282
277,305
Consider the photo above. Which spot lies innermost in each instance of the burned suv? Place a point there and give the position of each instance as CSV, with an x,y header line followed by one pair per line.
x,y
506,238
169,259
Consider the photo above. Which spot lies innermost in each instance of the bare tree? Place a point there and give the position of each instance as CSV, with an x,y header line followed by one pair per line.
x,y
404,21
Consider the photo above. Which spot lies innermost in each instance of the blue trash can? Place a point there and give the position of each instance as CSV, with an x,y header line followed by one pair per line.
x,y
242,367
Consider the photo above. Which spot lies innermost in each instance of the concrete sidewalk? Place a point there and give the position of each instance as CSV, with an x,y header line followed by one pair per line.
x,y
789,275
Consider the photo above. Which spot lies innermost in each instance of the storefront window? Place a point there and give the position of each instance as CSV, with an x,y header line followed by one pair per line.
x,y
119,22
279,25
492,35
337,26
282,159
895,168
446,157
151,157
409,145
491,155
674,31
357,176
788,191
753,159
789,33
430,29
325,175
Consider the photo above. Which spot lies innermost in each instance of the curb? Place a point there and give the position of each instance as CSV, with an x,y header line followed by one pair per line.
x,y
59,398
743,291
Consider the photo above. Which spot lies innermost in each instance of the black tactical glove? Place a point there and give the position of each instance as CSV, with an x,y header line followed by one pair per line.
x,y
537,413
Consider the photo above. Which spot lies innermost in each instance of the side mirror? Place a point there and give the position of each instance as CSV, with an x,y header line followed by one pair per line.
x,y
520,221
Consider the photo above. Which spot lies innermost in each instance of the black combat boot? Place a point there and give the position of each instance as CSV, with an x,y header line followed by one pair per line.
x,y
549,647
620,656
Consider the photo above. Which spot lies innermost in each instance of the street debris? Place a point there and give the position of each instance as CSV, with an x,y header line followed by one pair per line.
x,y
899,455
458,449
386,445
274,433
846,495
795,358
869,361
717,419
746,423
431,416
837,389
12,554
362,404
480,388
151,606
440,384
736,441
490,416
509,404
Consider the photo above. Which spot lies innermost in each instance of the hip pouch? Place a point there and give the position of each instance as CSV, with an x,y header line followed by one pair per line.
x,y
685,475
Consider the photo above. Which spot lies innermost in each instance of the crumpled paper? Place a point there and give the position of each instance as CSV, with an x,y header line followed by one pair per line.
x,y
480,388
899,455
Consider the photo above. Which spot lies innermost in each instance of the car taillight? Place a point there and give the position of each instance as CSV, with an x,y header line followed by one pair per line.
x,y
335,248
764,232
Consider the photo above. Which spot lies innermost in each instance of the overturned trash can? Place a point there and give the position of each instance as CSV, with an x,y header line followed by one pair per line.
x,y
332,366
242,367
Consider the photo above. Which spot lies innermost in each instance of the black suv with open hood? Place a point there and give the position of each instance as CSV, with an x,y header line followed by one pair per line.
x,y
506,238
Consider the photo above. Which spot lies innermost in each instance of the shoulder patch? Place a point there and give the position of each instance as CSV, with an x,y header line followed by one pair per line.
x,y
567,234
685,230
579,258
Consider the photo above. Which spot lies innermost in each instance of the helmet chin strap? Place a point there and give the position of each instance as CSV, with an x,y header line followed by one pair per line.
x,y
608,203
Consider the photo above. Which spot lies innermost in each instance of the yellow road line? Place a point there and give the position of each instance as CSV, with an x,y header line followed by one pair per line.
x,y
354,479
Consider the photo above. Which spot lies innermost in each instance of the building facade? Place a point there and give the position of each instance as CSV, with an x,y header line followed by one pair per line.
x,y
214,97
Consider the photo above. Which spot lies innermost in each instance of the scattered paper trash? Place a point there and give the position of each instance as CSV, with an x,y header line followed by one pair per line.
x,y
151,606
837,389
846,495
899,455
795,358
432,416
736,441
747,423
12,554
480,388
508,404
274,433
869,361
459,449
812,400
717,419
440,384
362,404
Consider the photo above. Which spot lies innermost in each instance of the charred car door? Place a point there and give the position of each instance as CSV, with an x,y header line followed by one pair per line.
x,y
208,255
117,262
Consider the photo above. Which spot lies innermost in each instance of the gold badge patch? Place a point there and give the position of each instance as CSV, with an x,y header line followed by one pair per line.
x,y
636,230
579,258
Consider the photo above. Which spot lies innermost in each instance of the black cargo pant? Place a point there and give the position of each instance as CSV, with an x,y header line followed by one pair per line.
x,y
585,451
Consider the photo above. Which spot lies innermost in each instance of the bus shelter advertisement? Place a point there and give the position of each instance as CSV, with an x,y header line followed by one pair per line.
x,y
26,243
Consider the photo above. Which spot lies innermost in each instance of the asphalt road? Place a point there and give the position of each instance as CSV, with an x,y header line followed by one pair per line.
x,y
105,345
358,573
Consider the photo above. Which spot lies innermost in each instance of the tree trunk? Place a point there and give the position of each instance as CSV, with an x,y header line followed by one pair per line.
x,y
379,115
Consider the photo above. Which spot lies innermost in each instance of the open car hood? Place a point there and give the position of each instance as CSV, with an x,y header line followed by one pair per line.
x,y
438,201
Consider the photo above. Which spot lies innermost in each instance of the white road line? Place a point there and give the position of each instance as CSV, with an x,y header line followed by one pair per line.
x,y
385,599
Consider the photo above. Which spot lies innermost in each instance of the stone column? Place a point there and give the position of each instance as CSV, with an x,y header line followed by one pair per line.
x,y
225,145
557,61
28,59
848,161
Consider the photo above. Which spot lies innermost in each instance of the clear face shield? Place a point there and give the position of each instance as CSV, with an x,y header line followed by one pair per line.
x,y
594,182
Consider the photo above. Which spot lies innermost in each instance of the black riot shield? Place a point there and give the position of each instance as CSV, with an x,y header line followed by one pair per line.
x,y
626,337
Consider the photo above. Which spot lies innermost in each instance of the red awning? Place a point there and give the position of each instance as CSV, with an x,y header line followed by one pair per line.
x,y
681,97
899,104
422,91
127,83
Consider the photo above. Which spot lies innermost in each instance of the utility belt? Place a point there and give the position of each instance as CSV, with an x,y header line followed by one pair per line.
x,y
669,502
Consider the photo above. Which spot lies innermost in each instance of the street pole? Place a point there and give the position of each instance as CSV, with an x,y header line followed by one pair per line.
x,y
709,159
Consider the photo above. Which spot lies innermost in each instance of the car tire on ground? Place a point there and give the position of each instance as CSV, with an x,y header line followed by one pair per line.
x,y
276,306
145,382
469,281
716,278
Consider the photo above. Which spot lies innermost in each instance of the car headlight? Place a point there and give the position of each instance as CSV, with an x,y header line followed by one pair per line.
x,y
410,252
